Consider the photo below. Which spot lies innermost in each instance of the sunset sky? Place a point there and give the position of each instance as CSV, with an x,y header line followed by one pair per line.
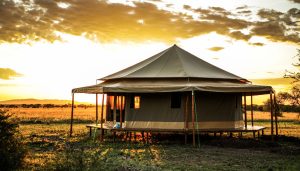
x,y
48,47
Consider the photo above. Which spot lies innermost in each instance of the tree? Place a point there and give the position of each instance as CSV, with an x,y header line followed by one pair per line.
x,y
293,97
12,149
294,75
277,104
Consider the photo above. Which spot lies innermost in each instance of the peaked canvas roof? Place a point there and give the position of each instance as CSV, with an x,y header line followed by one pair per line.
x,y
174,65
174,62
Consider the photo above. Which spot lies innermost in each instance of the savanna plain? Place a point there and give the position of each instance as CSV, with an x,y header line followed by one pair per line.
x,y
45,132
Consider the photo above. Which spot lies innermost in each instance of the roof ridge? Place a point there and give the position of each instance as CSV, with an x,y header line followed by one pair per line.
x,y
173,62
146,63
179,56
162,53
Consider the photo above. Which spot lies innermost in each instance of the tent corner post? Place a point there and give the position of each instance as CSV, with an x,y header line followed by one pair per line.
x,y
72,114
121,112
101,119
252,123
97,108
276,118
272,115
115,109
186,119
245,110
193,118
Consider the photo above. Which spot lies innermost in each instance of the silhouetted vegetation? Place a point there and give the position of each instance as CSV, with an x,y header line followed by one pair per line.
x,y
12,149
294,75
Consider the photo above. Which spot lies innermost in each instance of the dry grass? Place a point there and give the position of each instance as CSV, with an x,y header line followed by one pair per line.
x,y
289,123
89,114
50,148
53,114
286,116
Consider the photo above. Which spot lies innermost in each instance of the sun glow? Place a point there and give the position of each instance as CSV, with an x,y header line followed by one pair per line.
x,y
52,70
94,44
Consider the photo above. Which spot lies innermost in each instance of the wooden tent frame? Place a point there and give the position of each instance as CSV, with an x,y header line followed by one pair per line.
x,y
119,97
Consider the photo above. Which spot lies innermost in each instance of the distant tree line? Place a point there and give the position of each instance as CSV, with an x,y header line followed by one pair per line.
x,y
263,108
266,107
44,106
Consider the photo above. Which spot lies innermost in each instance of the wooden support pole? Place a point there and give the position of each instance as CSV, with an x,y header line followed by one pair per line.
x,y
115,109
186,122
245,110
193,118
143,136
102,110
147,137
121,110
276,119
97,109
72,114
252,109
252,124
271,111
107,109
101,118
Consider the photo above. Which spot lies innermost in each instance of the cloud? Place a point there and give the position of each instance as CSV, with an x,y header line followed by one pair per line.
x,y
245,12
257,44
238,35
269,14
216,48
7,73
295,1
279,26
242,7
23,21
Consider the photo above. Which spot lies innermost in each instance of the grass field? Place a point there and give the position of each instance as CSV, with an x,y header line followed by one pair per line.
x,y
45,133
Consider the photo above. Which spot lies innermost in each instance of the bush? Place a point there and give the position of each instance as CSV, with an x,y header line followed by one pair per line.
x,y
12,151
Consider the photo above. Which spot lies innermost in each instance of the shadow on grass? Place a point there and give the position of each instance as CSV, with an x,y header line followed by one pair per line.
x,y
166,152
87,154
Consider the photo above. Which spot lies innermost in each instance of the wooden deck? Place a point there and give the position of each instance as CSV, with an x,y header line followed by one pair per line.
x,y
259,130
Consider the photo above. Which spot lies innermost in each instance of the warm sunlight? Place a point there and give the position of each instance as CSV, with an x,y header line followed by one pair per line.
x,y
79,57
149,85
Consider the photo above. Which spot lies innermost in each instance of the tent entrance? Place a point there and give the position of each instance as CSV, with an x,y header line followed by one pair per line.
x,y
115,108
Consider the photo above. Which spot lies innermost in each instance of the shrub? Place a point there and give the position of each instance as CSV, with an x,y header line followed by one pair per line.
x,y
12,151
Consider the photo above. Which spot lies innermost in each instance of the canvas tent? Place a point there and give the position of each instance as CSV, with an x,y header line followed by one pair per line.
x,y
175,90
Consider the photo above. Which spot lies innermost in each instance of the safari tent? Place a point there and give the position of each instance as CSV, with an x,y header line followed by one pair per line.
x,y
175,91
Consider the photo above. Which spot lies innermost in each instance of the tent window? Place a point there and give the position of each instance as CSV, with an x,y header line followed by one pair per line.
x,y
176,100
135,102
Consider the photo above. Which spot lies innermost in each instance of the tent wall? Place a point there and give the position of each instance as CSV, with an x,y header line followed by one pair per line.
x,y
213,110
218,106
218,110
155,112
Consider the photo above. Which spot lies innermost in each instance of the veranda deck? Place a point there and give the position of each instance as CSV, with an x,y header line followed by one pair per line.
x,y
254,129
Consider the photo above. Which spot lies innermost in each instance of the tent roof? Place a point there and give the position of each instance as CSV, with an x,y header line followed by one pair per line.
x,y
173,62
171,70
173,85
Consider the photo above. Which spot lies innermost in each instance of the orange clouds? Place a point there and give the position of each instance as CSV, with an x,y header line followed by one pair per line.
x,y
7,73
41,19
216,48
